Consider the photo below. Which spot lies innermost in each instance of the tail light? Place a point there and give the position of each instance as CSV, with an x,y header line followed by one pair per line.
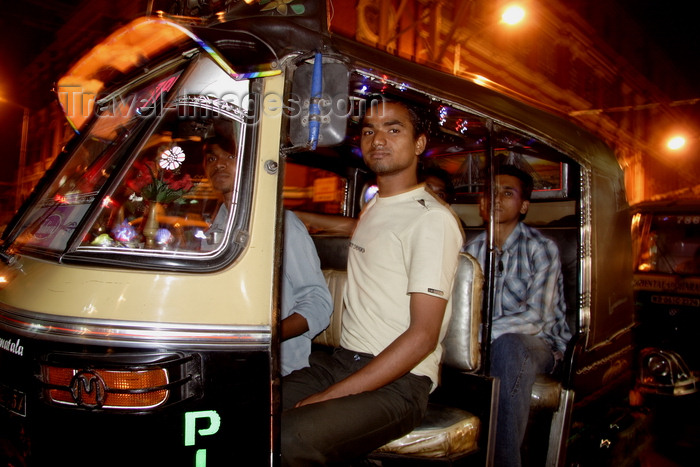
x,y
118,382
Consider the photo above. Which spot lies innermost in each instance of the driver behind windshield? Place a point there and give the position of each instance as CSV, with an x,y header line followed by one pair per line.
x,y
306,302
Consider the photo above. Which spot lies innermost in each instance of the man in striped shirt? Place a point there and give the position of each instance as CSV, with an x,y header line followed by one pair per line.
x,y
529,330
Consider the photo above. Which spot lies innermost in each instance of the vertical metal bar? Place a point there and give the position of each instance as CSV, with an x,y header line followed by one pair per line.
x,y
489,270
22,157
314,108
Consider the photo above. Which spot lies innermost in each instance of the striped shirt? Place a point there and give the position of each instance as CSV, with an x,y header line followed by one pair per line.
x,y
529,286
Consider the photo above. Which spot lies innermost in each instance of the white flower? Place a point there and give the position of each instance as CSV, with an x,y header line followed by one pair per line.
x,y
172,158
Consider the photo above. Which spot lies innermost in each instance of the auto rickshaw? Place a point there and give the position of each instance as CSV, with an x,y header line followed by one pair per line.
x,y
125,342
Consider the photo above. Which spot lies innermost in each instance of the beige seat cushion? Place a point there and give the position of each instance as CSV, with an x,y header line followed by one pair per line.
x,y
445,431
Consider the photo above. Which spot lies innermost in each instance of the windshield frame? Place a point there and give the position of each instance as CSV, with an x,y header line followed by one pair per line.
x,y
122,159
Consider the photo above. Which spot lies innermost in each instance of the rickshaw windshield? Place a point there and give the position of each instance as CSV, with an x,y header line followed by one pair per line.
x,y
51,221
667,243
159,180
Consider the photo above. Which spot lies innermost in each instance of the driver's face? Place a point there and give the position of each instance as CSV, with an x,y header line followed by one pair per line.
x,y
220,168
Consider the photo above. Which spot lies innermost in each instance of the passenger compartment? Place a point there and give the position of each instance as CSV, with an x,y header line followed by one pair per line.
x,y
449,428
456,425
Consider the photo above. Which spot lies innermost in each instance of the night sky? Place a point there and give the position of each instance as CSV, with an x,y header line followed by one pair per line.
x,y
673,25
27,27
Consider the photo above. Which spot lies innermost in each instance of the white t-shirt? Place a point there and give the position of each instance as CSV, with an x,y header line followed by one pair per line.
x,y
403,244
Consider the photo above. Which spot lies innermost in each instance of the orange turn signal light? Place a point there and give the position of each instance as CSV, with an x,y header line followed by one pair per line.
x,y
106,388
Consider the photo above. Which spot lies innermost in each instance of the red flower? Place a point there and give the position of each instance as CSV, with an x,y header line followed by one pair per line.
x,y
184,183
160,183
140,176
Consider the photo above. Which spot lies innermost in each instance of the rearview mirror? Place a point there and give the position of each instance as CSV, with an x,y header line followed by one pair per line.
x,y
319,103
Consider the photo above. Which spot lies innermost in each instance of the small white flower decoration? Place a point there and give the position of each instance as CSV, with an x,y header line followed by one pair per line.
x,y
172,158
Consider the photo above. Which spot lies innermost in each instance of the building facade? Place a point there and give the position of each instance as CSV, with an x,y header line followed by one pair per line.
x,y
581,59
585,60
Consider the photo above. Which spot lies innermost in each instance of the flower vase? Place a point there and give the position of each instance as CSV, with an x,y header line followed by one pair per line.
x,y
150,227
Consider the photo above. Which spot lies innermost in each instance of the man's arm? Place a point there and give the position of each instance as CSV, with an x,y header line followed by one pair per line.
x,y
305,294
293,325
327,223
400,357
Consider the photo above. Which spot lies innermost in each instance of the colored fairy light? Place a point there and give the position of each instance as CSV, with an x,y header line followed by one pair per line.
x,y
124,232
103,240
462,126
163,236
371,192
442,115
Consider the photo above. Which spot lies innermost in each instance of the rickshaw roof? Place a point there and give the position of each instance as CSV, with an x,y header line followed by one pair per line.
x,y
139,44
492,101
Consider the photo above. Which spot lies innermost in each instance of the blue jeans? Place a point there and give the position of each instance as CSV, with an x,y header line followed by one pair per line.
x,y
341,430
516,359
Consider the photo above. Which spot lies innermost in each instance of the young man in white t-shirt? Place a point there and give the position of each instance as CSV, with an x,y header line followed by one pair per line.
x,y
401,264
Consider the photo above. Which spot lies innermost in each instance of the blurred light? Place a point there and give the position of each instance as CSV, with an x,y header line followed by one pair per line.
x,y
676,143
481,80
442,115
370,193
462,126
513,14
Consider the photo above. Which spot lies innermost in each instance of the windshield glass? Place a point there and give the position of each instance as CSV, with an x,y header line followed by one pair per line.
x,y
667,243
53,220
153,176
178,192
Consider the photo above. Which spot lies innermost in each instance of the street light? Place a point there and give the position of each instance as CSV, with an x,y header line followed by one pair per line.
x,y
676,143
513,14
683,142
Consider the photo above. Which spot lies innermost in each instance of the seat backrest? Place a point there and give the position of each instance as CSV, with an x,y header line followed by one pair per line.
x,y
336,280
333,253
461,343
567,240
